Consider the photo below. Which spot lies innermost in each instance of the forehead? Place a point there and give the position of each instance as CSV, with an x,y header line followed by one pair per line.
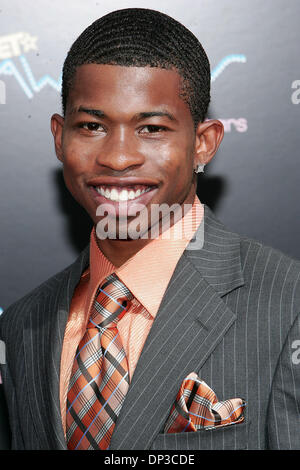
x,y
130,88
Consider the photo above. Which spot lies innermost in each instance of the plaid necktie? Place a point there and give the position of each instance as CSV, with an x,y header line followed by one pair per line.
x,y
99,378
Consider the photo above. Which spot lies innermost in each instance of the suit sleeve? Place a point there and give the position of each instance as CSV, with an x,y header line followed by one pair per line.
x,y
284,406
9,427
5,434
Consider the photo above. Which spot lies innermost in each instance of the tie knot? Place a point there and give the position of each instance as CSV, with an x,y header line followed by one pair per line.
x,y
111,302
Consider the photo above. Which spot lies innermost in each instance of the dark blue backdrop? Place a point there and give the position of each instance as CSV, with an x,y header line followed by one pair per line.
x,y
253,182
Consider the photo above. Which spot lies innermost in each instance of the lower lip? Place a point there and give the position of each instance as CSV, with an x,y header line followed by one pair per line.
x,y
128,208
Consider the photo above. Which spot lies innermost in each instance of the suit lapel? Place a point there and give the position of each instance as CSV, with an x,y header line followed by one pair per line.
x,y
191,321
43,337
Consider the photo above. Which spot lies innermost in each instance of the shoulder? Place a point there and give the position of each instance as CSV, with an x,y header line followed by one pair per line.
x,y
256,257
254,254
266,273
271,282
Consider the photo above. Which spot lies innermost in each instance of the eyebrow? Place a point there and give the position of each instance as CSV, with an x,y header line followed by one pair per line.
x,y
92,112
149,114
138,117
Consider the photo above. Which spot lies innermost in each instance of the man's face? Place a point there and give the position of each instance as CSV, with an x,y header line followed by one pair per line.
x,y
127,138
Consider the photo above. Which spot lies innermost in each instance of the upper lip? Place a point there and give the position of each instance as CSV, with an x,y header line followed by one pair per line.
x,y
122,182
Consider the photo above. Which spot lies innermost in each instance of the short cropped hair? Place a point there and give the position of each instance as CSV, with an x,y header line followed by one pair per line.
x,y
141,37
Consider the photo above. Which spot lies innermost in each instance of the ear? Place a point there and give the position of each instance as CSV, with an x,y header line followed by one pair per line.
x,y
209,135
57,123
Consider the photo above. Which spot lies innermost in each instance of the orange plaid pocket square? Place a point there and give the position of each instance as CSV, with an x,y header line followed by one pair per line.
x,y
197,407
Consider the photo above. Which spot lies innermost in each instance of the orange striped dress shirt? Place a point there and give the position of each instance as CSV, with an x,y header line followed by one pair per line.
x,y
146,275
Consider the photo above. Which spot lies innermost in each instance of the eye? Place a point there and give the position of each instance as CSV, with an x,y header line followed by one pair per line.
x,y
91,126
152,129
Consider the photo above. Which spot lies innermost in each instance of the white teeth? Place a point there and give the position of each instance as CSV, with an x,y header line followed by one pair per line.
x,y
114,196
124,195
131,194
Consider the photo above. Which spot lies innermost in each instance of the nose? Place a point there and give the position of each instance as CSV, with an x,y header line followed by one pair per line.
x,y
119,150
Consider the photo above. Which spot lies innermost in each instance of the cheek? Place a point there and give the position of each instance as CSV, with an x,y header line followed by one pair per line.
x,y
76,159
177,165
74,166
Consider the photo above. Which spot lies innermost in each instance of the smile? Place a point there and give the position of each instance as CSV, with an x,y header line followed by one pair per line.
x,y
121,194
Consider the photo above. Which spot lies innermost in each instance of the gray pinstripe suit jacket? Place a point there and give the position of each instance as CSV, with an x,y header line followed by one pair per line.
x,y
230,313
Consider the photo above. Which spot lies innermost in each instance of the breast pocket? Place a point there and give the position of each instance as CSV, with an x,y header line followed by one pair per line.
x,y
231,437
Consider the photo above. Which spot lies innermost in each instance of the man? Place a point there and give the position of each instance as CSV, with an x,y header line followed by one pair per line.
x,y
151,343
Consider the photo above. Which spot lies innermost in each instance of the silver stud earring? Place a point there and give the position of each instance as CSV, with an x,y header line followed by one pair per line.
x,y
199,169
